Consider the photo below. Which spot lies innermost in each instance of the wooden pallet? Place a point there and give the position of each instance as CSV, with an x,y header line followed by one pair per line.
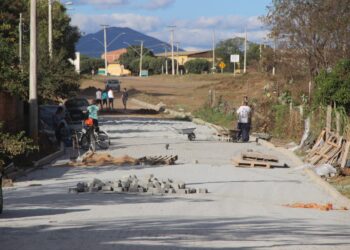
x,y
251,164
328,152
158,160
256,156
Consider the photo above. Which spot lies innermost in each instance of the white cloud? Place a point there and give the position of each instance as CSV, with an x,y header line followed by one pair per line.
x,y
195,33
103,3
91,23
158,4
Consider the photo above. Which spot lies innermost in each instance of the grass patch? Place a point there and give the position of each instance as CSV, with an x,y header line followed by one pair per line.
x,y
342,184
214,116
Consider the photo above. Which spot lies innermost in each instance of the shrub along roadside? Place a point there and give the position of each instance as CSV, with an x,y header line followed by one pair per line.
x,y
12,146
197,66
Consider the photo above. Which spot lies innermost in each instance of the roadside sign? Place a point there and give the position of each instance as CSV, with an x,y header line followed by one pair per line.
x,y
234,58
222,65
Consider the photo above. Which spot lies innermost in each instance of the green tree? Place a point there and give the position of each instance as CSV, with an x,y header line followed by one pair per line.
x,y
56,76
226,48
133,53
317,31
333,86
88,63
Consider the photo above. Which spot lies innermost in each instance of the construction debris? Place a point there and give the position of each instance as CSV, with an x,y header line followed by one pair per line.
x,y
322,207
330,148
131,184
102,159
256,159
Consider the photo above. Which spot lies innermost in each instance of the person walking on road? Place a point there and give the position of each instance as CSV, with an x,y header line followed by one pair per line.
x,y
244,113
110,99
99,97
104,98
125,97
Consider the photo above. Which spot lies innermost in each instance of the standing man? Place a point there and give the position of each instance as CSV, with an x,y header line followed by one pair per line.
x,y
125,97
110,99
244,113
99,97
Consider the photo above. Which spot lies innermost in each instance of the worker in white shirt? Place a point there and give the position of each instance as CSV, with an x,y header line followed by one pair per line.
x,y
244,113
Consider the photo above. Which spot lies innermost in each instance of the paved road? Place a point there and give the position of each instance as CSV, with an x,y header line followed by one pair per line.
x,y
244,209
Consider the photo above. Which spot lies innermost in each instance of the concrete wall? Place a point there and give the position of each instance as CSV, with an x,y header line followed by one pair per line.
x,y
11,112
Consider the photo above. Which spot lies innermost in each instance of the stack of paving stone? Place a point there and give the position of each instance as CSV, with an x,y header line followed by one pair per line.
x,y
131,184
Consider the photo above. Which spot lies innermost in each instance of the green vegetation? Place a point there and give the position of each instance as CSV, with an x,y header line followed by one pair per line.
x,y
342,184
281,116
334,86
131,61
13,145
56,77
197,66
226,48
87,64
215,116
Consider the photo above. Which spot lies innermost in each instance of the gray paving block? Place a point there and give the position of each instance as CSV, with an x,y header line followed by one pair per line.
x,y
182,191
150,185
133,190
93,189
107,188
72,190
125,184
192,191
82,187
118,189
165,185
157,184
202,190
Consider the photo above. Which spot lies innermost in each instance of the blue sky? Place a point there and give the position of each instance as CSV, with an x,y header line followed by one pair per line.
x,y
195,20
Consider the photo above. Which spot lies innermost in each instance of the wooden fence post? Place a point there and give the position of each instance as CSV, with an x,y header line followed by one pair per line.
x,y
337,122
329,119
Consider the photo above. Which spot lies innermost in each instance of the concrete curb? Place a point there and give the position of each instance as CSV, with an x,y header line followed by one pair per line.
x,y
332,191
324,185
328,188
49,158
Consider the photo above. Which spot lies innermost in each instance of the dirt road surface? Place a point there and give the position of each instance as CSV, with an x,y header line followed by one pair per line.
x,y
243,209
189,92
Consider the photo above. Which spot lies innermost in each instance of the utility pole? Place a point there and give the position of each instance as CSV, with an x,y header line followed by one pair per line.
x,y
141,56
20,28
245,52
33,99
50,28
166,60
172,49
274,57
177,58
105,46
213,51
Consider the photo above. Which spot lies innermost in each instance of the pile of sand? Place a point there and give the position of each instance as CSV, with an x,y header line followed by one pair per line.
x,y
102,159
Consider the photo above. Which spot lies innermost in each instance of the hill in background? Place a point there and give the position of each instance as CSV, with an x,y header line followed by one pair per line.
x,y
89,46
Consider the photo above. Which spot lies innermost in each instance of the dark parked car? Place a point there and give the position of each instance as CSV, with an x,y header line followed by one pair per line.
x,y
113,84
77,108
1,199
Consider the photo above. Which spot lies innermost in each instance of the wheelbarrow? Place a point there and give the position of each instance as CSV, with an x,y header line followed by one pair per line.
x,y
186,131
